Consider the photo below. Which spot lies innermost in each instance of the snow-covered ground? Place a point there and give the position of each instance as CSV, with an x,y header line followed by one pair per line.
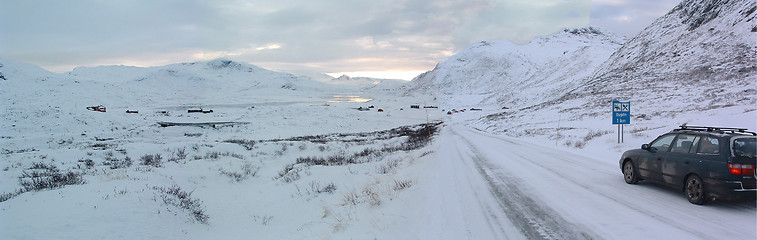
x,y
551,193
288,157
231,181
244,190
242,181
466,184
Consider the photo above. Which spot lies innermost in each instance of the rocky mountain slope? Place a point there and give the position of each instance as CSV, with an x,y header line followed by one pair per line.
x,y
701,52
697,63
502,72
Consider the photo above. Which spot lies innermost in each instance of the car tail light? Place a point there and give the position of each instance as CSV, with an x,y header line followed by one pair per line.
x,y
741,169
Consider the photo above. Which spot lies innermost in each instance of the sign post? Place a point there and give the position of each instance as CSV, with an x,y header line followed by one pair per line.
x,y
621,115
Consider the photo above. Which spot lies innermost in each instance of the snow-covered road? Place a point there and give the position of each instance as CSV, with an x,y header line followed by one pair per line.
x,y
495,187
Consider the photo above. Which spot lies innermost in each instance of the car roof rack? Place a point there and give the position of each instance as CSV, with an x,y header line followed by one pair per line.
x,y
715,129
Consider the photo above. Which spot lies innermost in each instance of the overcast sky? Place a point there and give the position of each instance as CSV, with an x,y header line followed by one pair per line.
x,y
323,36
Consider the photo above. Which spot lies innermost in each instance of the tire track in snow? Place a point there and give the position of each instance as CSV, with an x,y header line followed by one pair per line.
x,y
535,221
625,202
464,208
570,178
493,219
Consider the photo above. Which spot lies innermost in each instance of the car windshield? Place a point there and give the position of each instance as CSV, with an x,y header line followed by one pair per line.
x,y
745,147
663,143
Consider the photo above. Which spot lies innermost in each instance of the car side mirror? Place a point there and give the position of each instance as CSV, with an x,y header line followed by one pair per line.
x,y
648,148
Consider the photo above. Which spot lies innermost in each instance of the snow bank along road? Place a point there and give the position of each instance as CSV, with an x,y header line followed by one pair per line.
x,y
496,187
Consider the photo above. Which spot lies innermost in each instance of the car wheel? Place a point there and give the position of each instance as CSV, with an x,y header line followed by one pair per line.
x,y
695,190
630,174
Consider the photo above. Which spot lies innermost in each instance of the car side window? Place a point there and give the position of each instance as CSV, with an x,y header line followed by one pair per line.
x,y
663,143
709,145
695,145
683,143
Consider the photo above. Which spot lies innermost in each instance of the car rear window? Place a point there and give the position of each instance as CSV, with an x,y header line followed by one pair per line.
x,y
745,147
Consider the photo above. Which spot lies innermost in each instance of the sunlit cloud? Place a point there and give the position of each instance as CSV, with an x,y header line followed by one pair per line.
x,y
203,55
324,36
622,18
268,47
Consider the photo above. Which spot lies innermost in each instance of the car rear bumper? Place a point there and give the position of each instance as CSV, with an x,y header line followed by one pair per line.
x,y
732,190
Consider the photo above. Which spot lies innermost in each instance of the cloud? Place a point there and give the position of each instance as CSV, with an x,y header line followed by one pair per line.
x,y
327,36
628,17
521,21
269,47
65,32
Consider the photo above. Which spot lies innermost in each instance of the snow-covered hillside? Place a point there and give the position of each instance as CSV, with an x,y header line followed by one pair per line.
x,y
701,52
502,72
695,65
288,157
292,158
367,83
207,80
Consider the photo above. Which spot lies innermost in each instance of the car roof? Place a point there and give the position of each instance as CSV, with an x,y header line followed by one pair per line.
x,y
716,131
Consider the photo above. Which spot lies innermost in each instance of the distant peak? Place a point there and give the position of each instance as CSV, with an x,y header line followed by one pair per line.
x,y
223,63
344,77
588,32
226,65
484,43
584,31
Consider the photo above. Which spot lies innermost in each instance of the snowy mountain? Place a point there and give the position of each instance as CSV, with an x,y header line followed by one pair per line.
x,y
34,98
220,78
502,72
286,157
313,75
694,64
352,83
368,83
10,69
239,169
701,52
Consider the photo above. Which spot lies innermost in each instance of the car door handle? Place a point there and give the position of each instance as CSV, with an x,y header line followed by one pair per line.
x,y
659,159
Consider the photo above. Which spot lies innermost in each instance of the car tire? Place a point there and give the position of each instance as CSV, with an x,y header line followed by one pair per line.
x,y
695,191
630,172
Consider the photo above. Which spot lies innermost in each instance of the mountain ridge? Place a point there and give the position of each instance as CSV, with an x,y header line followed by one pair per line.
x,y
501,70
671,72
706,53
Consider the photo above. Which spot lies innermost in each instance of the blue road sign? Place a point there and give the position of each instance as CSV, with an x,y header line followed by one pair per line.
x,y
621,112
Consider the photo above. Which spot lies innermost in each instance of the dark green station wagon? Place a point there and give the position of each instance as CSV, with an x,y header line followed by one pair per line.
x,y
707,163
